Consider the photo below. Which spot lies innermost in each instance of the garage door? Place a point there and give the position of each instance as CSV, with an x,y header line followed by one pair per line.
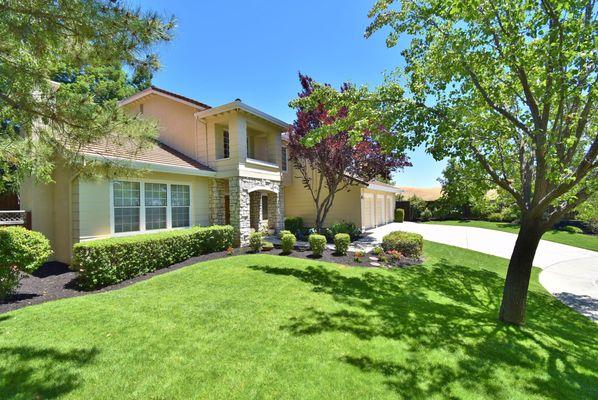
x,y
389,210
380,214
367,211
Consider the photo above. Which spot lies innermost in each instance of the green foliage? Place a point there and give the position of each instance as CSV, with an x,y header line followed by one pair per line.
x,y
317,244
287,242
399,215
294,224
417,205
378,251
408,244
588,213
343,227
284,232
341,243
20,250
426,215
571,229
256,240
84,45
108,261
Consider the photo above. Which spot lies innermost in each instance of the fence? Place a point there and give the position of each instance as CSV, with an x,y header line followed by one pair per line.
x,y
15,217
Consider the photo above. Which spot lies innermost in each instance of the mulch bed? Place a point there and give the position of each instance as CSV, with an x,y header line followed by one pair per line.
x,y
54,280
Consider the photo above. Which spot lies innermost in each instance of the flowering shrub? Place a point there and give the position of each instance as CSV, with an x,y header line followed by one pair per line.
x,y
409,244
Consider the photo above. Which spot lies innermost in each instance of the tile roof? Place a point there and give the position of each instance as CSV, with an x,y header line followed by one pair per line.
x,y
159,153
178,96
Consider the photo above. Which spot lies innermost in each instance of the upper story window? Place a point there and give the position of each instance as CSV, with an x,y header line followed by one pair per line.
x,y
285,160
225,144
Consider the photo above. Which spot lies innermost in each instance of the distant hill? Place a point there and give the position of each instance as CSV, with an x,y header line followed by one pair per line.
x,y
428,194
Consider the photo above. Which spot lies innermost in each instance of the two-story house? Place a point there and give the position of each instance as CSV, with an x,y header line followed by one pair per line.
x,y
211,165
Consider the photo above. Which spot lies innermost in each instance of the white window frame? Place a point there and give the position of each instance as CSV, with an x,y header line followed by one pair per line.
x,y
224,155
142,229
285,165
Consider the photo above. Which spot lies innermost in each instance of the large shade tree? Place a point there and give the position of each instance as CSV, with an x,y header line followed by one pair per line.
x,y
334,163
507,87
84,45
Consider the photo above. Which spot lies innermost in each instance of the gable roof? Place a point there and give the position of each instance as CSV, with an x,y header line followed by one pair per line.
x,y
239,105
164,93
159,157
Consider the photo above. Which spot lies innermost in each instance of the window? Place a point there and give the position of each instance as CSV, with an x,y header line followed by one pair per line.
x,y
146,206
180,200
155,206
284,158
225,144
126,206
264,207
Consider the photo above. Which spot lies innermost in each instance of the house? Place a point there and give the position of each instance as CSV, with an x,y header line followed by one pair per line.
x,y
210,165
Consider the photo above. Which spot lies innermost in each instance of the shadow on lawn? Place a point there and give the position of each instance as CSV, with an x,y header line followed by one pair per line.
x,y
40,373
447,316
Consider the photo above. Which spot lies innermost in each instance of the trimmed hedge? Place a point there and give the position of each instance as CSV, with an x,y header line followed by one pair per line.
x,y
287,242
317,244
399,215
20,250
407,243
294,224
341,243
107,261
256,240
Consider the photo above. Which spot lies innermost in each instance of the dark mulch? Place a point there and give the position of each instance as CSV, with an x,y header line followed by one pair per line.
x,y
54,280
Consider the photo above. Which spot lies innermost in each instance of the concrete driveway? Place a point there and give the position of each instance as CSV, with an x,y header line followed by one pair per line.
x,y
569,273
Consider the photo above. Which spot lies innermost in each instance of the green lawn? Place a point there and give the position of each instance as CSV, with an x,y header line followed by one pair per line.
x,y
272,327
589,242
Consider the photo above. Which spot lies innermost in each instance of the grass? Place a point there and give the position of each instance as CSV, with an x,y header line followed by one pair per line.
x,y
272,327
583,241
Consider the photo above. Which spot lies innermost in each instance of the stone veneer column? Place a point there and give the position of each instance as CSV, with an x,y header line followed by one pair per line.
x,y
239,210
217,189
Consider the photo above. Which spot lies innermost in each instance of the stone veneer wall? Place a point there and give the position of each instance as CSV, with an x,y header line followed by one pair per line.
x,y
217,192
240,213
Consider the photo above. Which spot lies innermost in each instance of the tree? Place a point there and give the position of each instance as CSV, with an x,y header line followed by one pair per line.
x,y
74,42
509,86
334,163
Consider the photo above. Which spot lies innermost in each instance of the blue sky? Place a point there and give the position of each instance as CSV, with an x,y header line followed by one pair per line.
x,y
253,50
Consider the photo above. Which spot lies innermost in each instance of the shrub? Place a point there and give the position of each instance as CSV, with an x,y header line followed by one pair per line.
x,y
255,241
108,261
571,229
378,251
406,243
284,232
317,244
293,224
495,217
287,242
20,250
341,243
343,227
426,215
399,215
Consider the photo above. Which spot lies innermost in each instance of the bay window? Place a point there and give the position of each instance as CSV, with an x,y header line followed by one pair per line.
x,y
146,206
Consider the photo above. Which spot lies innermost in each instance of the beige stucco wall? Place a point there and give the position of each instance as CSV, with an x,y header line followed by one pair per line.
x,y
94,202
299,203
178,127
50,206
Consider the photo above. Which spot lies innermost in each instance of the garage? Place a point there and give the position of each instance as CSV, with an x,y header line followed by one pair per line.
x,y
377,204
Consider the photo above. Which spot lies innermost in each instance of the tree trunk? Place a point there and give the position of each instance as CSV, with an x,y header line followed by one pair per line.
x,y
512,308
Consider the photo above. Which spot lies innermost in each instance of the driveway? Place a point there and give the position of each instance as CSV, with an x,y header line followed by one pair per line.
x,y
569,273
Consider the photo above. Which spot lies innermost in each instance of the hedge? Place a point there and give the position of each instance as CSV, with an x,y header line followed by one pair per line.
x,y
287,242
399,215
108,261
293,224
20,250
341,243
408,244
317,244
